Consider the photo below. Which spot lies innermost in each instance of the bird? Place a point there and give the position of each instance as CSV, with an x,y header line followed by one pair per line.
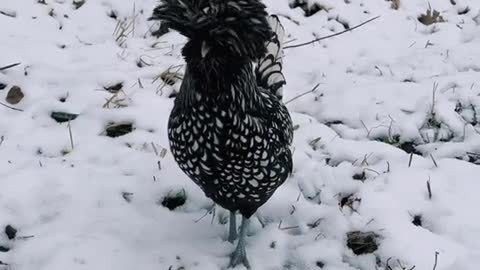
x,y
229,130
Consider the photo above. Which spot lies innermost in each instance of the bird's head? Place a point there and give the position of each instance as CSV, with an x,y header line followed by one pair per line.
x,y
218,28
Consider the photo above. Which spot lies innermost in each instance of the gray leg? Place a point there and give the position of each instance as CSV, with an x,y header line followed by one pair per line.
x,y
232,236
239,256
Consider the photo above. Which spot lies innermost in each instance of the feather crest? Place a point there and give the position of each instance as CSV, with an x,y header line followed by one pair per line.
x,y
237,26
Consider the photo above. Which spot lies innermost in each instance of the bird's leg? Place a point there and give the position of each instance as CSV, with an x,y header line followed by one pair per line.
x,y
239,256
232,236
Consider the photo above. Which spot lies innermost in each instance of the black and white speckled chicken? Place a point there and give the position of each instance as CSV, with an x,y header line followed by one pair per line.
x,y
229,130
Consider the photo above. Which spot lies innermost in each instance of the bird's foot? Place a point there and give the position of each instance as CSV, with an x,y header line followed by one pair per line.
x,y
239,256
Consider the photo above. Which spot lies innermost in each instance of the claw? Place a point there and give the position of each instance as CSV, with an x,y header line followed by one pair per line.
x,y
239,256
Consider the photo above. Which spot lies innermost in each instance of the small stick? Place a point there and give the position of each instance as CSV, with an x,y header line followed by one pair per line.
x,y
293,209
410,161
299,194
388,267
429,188
9,66
370,221
318,236
332,35
289,228
434,161
372,170
71,136
154,148
10,107
25,237
436,260
303,94
206,213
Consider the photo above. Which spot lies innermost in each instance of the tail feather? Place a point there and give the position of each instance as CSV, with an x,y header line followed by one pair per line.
x,y
269,69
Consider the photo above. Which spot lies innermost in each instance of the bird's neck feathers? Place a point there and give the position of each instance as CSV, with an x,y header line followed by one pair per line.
x,y
232,85
214,76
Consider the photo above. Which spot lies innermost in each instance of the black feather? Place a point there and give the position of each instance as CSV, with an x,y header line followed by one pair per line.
x,y
237,27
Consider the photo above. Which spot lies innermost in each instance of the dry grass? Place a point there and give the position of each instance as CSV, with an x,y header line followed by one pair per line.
x,y
431,16
125,28
117,100
168,77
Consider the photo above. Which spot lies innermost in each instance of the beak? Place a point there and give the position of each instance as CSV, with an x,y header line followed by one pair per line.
x,y
205,49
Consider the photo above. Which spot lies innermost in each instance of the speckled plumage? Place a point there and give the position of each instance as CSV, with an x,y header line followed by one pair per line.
x,y
229,130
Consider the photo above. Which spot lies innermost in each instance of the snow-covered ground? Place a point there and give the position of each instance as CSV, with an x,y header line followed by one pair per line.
x,y
81,199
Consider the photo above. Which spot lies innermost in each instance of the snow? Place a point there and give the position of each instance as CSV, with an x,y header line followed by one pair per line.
x,y
97,204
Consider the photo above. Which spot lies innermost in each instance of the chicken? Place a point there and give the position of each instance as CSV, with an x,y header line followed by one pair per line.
x,y
229,130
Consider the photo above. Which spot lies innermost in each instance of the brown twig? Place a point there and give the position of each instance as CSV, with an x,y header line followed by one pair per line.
x,y
332,35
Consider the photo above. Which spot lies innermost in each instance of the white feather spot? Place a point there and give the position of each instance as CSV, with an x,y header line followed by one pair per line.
x,y
253,182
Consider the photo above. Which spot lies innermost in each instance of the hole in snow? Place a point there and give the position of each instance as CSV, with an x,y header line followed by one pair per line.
x,y
417,220
62,117
174,200
350,201
431,16
113,15
117,130
410,147
362,242
360,176
11,232
78,3
309,9
114,88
